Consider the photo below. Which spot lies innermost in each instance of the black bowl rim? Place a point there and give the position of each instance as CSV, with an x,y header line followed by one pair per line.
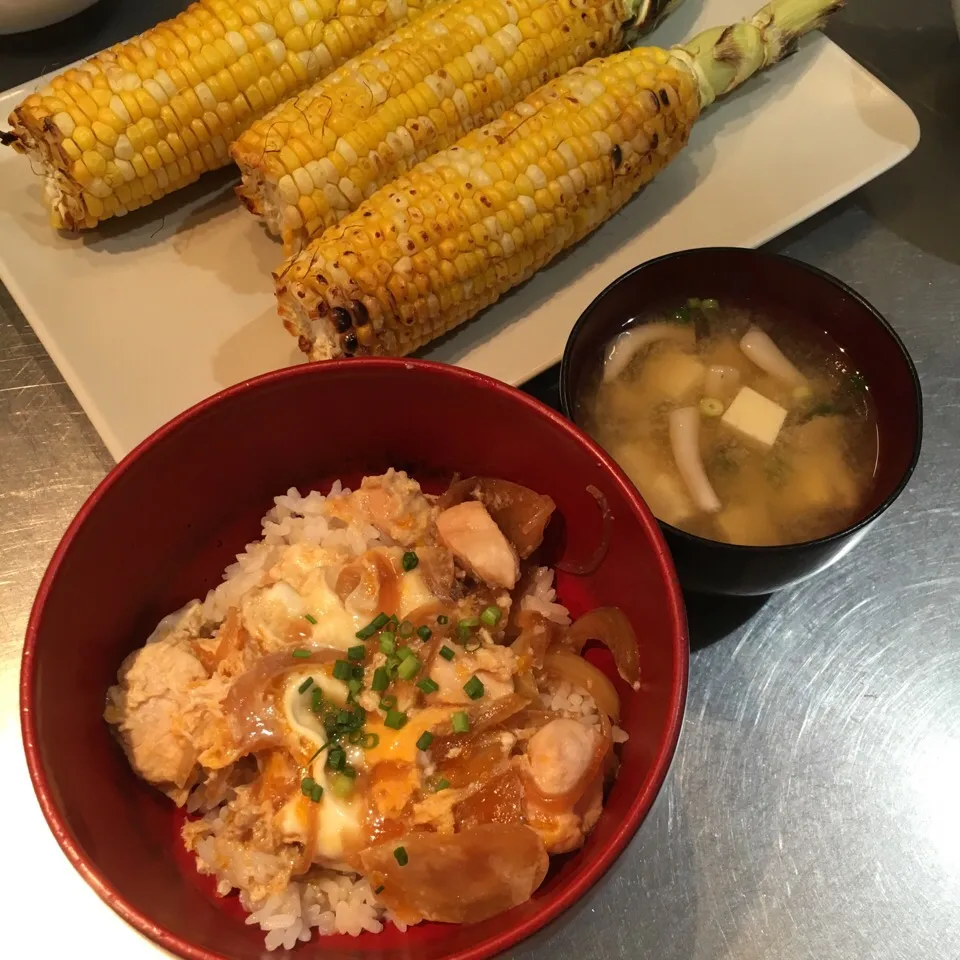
x,y
583,321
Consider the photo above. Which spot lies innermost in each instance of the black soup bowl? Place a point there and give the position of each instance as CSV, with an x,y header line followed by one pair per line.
x,y
794,293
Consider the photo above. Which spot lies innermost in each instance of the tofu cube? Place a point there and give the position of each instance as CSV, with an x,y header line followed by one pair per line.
x,y
755,417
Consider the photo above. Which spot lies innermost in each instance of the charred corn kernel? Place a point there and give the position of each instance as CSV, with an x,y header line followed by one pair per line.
x,y
416,92
335,308
186,74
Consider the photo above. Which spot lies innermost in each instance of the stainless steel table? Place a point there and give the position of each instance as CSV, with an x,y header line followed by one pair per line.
x,y
812,810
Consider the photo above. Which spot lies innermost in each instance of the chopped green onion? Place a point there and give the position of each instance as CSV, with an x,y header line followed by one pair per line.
x,y
379,621
306,786
354,685
317,754
443,619
336,758
491,616
441,784
342,786
387,643
370,740
426,738
447,653
710,304
356,738
349,771
316,700
404,652
681,315
473,688
316,793
301,654
409,668
342,670
379,889
409,561
381,680
310,618
306,685
428,686
465,628
356,671
396,719
711,407
405,629
460,722
356,653
472,644
401,856
424,633
388,702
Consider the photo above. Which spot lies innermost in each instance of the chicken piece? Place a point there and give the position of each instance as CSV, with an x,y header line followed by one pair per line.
x,y
393,503
560,754
470,534
151,709
493,665
563,829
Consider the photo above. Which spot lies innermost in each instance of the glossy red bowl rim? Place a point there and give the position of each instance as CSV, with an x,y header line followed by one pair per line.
x,y
568,395
602,859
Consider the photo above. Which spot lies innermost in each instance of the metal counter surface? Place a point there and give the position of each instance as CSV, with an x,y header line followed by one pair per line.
x,y
811,811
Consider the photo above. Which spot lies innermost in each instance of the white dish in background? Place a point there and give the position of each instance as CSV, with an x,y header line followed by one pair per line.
x,y
168,305
18,16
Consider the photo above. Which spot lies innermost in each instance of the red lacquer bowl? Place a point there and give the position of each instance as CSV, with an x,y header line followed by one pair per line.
x,y
166,521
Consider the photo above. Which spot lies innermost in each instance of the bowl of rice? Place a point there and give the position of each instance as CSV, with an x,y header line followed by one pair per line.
x,y
377,657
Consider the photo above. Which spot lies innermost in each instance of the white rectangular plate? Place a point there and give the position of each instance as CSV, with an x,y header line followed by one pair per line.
x,y
164,307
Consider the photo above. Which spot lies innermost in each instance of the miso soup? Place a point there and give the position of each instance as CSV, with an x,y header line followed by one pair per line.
x,y
734,427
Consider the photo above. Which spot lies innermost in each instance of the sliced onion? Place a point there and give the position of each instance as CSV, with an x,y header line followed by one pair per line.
x,y
521,514
466,877
498,799
252,714
582,674
436,568
611,627
486,716
537,635
593,564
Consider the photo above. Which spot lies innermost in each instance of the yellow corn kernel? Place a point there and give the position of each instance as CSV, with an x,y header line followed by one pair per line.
x,y
104,134
152,158
166,153
94,163
84,138
81,174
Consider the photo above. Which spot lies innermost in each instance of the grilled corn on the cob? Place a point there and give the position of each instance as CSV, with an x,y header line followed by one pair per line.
x,y
449,238
313,159
148,116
